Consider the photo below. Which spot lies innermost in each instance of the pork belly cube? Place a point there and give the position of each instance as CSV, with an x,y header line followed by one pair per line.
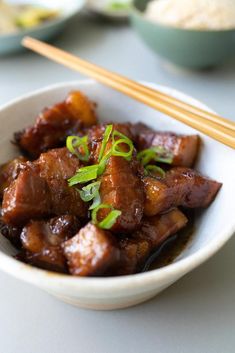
x,y
66,200
27,197
181,187
91,252
54,124
42,190
64,226
156,196
42,241
9,172
142,135
183,147
122,188
196,190
154,231
56,167
80,107
133,254
158,228
49,131
57,163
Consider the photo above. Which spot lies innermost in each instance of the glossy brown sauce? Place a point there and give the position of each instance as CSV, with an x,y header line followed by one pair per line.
x,y
172,247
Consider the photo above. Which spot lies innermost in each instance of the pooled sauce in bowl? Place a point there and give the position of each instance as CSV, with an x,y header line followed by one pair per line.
x,y
172,247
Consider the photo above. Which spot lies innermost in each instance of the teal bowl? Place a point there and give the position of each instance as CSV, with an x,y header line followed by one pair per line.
x,y
193,49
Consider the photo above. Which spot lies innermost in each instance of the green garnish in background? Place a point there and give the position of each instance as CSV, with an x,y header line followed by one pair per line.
x,y
118,6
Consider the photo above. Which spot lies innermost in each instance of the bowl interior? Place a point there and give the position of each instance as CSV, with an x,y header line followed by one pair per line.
x,y
213,226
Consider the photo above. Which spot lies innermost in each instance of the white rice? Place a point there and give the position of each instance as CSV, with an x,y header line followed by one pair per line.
x,y
193,14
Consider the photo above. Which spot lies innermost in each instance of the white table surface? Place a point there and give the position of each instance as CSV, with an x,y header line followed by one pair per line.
x,y
197,314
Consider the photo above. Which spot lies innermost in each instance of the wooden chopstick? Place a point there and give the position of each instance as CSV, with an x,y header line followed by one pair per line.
x,y
132,84
210,124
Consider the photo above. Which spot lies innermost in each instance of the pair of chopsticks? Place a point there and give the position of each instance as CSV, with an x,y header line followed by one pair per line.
x,y
220,129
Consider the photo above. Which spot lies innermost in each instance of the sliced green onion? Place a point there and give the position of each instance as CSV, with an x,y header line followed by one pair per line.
x,y
146,156
117,151
106,137
103,162
163,155
75,144
166,160
120,135
96,210
84,175
90,173
90,191
157,154
123,139
155,170
96,202
109,221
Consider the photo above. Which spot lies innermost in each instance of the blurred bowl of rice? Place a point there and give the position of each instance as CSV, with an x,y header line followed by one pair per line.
x,y
195,34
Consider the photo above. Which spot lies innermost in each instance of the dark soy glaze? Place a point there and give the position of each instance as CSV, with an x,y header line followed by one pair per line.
x,y
172,247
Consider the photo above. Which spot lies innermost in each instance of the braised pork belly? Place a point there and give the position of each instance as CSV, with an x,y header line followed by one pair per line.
x,y
92,199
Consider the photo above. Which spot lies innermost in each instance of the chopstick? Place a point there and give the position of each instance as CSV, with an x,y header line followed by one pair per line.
x,y
218,128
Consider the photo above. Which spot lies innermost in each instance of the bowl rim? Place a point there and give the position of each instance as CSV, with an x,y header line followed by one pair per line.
x,y
179,268
48,24
134,9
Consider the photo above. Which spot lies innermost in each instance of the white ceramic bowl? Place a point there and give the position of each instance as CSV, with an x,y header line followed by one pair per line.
x,y
214,226
10,43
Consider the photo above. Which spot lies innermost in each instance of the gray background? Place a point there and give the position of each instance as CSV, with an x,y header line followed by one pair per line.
x,y
197,314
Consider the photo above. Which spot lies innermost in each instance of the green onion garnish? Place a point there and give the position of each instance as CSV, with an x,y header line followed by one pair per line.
x,y
90,173
90,191
96,202
96,210
103,162
79,147
117,151
146,156
155,170
109,221
106,137
120,135
157,154
118,6
84,175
